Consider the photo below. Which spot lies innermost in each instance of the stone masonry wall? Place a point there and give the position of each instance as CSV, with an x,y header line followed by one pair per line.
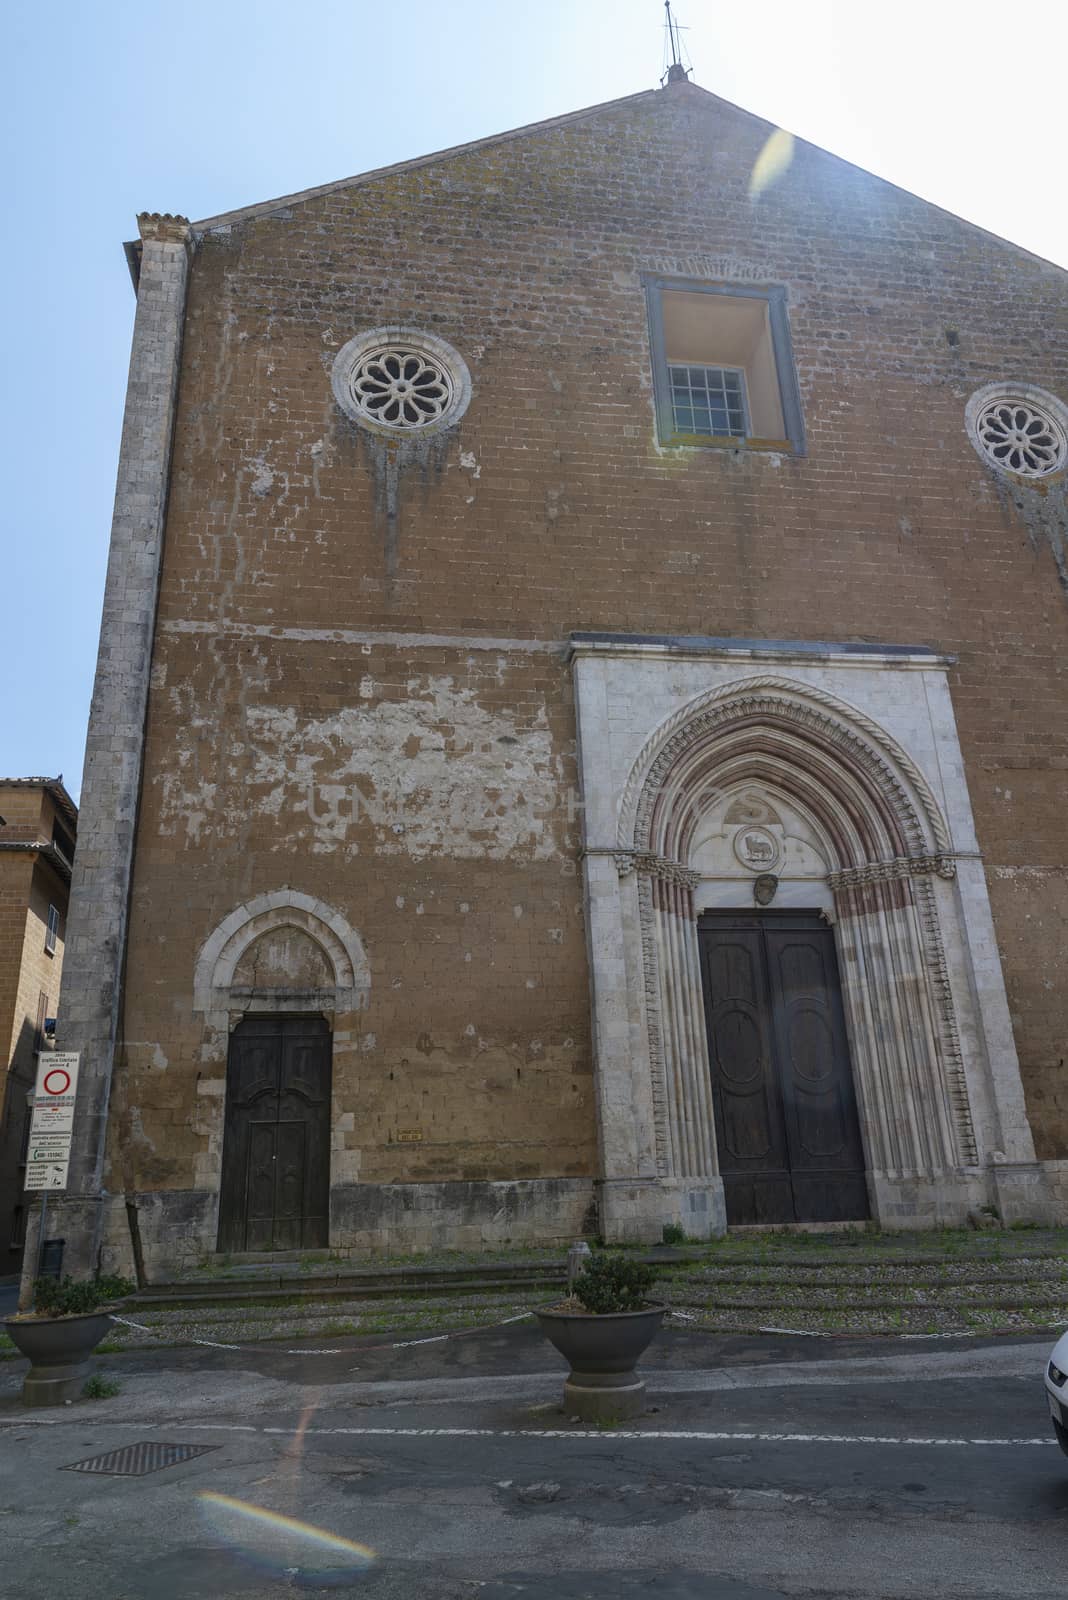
x,y
359,687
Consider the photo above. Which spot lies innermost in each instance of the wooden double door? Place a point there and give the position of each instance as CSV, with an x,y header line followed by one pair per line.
x,y
276,1146
786,1115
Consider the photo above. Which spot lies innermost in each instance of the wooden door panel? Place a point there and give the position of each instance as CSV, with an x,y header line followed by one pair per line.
x,y
305,1098
786,1119
823,1130
289,1186
276,1153
749,1124
259,1186
305,1072
255,1070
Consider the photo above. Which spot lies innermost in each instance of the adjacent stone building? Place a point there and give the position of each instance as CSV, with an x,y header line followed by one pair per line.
x,y
580,731
38,829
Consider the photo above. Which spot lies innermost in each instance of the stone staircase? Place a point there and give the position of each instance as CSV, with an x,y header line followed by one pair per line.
x,y
880,1291
855,1284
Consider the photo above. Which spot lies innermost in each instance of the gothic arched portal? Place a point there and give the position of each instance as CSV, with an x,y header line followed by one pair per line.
x,y
773,777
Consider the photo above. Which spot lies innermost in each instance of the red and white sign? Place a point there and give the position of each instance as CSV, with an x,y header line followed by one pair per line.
x,y
48,1155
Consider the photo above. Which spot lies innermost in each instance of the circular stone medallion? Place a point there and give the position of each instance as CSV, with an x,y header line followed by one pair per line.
x,y
757,849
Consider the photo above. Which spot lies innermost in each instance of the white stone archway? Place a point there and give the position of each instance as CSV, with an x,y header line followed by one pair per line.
x,y
222,951
671,730
332,978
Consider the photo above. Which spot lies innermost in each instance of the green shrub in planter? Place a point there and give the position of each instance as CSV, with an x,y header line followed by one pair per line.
x,y
69,1297
611,1283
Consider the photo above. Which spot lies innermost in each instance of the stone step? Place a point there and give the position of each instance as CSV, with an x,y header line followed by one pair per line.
x,y
838,1280
880,1301
175,1297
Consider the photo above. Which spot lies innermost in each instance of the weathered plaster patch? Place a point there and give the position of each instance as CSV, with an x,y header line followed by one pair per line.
x,y
187,802
434,774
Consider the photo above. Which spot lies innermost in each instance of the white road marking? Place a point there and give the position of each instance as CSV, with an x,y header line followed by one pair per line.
x,y
660,1434
655,1433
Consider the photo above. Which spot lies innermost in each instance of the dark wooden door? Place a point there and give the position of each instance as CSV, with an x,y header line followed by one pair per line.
x,y
786,1116
276,1145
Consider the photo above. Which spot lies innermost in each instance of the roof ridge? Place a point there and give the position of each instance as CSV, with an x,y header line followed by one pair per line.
x,y
264,207
225,219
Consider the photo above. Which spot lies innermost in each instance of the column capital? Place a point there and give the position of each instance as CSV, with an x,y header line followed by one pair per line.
x,y
163,228
942,865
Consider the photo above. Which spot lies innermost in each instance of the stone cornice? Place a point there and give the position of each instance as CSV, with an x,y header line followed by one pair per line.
x,y
45,849
801,651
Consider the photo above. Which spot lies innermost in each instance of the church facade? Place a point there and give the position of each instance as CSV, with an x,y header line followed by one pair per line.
x,y
580,733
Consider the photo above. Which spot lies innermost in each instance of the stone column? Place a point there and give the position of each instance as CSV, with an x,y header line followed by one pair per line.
x,y
686,1143
911,1093
96,927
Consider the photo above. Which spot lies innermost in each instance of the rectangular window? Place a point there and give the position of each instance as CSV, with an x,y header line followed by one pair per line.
x,y
723,366
63,841
52,931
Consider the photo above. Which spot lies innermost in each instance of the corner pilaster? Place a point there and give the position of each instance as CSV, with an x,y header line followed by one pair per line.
x,y
96,936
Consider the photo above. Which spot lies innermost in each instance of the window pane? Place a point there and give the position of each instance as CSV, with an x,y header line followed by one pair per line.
x,y
708,400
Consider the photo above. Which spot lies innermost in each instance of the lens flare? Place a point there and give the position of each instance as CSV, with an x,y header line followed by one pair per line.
x,y
304,1553
772,162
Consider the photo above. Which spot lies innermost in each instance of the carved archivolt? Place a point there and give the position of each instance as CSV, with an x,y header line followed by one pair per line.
x,y
282,908
815,718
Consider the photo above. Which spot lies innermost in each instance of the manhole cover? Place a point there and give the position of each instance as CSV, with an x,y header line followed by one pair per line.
x,y
135,1460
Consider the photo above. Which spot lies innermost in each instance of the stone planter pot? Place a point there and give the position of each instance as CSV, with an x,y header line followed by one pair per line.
x,y
58,1349
602,1352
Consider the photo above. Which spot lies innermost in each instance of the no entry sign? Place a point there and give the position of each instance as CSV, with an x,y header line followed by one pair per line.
x,y
48,1156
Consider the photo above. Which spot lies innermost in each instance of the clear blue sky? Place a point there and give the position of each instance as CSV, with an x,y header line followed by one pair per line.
x,y
113,107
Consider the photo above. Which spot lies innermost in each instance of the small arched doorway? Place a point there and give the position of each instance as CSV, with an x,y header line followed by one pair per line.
x,y
275,1192
272,981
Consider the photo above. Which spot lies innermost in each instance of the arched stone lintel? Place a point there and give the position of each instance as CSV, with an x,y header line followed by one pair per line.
x,y
838,727
281,908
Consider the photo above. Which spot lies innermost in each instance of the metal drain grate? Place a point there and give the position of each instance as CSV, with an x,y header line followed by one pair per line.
x,y
135,1460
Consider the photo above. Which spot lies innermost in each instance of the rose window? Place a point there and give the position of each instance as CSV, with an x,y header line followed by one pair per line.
x,y
396,380
402,387
1021,430
1021,438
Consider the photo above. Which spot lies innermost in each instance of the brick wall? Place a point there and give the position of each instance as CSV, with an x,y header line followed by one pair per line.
x,y
312,580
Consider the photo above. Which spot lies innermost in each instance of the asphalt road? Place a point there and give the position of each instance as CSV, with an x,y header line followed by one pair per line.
x,y
762,1469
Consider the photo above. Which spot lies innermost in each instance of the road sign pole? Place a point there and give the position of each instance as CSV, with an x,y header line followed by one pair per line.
x,y
28,1289
42,1229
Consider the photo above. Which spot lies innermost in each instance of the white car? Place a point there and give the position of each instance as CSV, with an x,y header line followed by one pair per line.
x,y
1057,1391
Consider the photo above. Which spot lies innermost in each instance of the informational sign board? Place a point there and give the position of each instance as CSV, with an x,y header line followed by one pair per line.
x,y
48,1155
